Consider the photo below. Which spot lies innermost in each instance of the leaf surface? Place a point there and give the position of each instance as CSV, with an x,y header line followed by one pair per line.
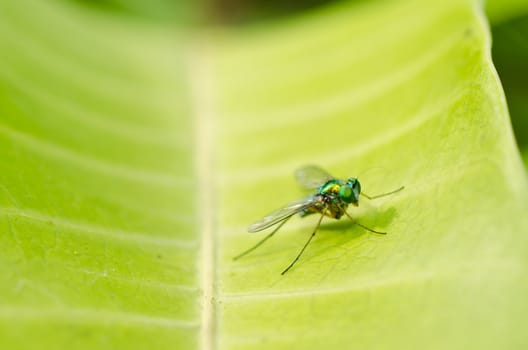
x,y
133,157
393,99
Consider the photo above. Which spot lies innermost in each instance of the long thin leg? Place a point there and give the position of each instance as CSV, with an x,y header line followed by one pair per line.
x,y
365,227
305,245
383,194
264,240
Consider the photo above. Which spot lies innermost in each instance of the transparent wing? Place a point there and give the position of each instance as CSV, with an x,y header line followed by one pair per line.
x,y
311,176
282,214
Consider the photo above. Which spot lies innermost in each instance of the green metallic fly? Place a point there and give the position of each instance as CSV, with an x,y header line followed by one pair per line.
x,y
331,199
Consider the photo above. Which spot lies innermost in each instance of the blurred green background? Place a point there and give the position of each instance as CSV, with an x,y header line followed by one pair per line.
x,y
510,55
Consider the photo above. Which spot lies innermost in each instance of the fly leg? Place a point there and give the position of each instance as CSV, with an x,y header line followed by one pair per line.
x,y
365,227
262,241
306,244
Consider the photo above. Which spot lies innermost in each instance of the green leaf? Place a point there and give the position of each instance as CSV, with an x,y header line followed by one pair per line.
x,y
98,235
133,159
395,99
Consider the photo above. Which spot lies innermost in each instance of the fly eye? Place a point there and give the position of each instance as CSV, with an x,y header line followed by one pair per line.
x,y
357,187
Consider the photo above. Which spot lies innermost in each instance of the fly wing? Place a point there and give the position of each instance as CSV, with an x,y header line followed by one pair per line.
x,y
311,176
282,214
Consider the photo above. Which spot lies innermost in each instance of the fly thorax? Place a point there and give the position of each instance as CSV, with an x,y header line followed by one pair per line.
x,y
331,187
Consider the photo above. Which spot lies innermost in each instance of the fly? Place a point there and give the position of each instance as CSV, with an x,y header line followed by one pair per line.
x,y
331,198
